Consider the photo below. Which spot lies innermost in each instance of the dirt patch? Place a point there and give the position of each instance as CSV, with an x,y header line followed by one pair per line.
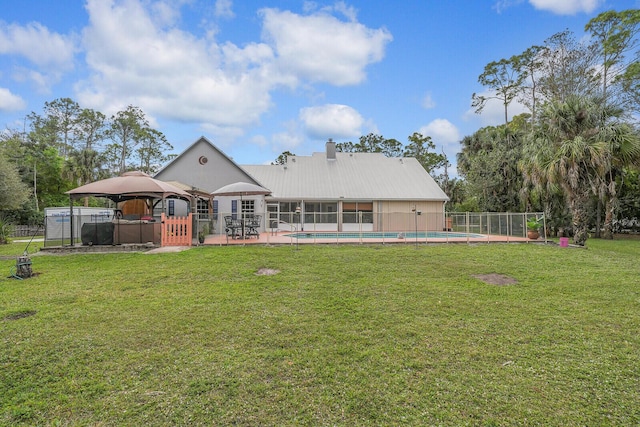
x,y
19,315
267,272
496,279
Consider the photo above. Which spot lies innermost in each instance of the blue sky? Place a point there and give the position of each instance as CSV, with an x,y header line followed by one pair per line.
x,y
261,77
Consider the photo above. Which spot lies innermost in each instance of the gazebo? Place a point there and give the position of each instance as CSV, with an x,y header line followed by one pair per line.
x,y
140,228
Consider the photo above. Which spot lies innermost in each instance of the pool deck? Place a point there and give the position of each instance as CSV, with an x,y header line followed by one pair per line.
x,y
283,238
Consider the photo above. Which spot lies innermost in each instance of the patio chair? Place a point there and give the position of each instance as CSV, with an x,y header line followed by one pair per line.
x,y
232,227
253,225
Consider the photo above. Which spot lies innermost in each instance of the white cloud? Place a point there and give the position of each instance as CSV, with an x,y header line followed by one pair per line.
x,y
341,7
441,131
39,45
428,102
321,48
224,9
10,102
137,56
446,137
501,5
287,140
560,7
170,72
51,54
331,121
567,7
259,140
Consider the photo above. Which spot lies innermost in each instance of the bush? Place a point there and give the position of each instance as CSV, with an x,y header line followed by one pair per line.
x,y
6,229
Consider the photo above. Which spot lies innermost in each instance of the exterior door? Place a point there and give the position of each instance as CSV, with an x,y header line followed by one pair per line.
x,y
273,216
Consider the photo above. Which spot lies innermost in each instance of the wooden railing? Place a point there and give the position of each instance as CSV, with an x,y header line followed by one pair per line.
x,y
177,230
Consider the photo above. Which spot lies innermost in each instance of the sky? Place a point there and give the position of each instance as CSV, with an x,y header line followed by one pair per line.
x,y
258,78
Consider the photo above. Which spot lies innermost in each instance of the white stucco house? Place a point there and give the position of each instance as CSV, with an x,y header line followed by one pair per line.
x,y
327,191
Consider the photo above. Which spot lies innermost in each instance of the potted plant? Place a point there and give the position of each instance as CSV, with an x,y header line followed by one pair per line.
x,y
533,228
203,232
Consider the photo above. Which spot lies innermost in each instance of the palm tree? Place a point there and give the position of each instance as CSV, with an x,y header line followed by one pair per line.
x,y
624,150
570,148
84,166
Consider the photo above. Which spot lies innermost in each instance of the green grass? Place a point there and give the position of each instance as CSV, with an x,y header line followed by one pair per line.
x,y
343,335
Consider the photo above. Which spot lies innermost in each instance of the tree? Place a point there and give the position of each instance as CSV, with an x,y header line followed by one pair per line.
x,y
85,163
372,143
505,77
528,64
84,166
125,130
40,160
630,82
90,129
345,147
628,186
282,158
152,146
489,164
614,34
570,149
13,192
60,116
419,146
567,68
624,151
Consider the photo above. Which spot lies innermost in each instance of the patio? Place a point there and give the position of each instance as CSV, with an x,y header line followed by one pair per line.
x,y
285,238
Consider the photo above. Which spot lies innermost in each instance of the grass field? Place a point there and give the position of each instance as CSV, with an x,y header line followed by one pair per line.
x,y
340,335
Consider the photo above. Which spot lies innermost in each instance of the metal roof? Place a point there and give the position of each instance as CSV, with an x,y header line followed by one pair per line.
x,y
352,176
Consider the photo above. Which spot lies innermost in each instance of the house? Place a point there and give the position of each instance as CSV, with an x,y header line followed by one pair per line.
x,y
201,169
328,191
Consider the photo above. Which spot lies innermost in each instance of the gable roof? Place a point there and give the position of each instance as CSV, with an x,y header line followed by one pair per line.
x,y
205,167
352,176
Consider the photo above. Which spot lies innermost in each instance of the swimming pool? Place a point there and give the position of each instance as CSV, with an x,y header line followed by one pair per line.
x,y
385,235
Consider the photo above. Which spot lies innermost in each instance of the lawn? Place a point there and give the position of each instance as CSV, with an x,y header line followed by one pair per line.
x,y
340,335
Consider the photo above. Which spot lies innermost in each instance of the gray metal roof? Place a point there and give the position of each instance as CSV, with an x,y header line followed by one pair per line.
x,y
352,176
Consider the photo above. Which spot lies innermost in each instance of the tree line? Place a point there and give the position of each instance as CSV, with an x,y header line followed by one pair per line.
x,y
67,146
575,154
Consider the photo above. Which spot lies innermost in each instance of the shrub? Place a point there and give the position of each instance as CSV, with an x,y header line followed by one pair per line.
x,y
6,229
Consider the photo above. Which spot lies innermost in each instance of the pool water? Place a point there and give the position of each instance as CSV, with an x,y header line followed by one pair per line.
x,y
385,235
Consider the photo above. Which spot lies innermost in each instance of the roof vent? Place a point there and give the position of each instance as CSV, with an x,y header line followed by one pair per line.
x,y
331,149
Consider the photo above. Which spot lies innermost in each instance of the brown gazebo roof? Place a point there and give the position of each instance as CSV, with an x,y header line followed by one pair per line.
x,y
130,185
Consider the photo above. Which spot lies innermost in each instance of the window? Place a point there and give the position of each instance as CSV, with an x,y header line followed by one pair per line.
x,y
352,212
320,212
202,208
288,212
248,207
